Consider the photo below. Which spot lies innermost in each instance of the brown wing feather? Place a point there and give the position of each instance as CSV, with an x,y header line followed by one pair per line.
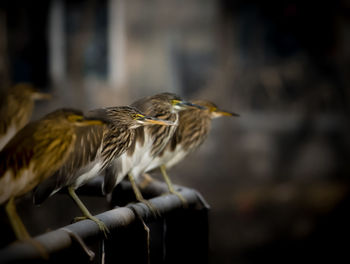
x,y
87,144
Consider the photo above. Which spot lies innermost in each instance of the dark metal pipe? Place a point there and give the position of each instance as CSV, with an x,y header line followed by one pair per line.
x,y
58,240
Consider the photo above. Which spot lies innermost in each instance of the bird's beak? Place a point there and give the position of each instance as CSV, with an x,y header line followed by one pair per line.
x,y
219,113
41,96
148,120
185,104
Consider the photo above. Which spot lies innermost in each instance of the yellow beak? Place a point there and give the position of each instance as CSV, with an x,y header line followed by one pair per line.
x,y
41,96
155,121
219,113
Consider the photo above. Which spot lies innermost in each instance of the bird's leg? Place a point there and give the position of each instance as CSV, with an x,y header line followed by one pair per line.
x,y
78,239
86,212
170,185
139,196
16,223
20,230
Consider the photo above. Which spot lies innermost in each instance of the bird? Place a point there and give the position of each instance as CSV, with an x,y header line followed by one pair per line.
x,y
16,107
33,155
94,150
192,130
149,141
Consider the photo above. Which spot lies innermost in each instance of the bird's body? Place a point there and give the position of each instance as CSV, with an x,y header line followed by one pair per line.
x,y
95,148
142,151
16,107
34,154
192,130
149,141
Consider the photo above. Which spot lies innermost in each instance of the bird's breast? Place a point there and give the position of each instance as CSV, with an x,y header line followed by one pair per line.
x,y
10,132
14,186
168,158
89,172
135,163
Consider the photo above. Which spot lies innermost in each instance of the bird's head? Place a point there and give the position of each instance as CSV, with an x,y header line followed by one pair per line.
x,y
126,116
173,103
138,119
212,110
27,90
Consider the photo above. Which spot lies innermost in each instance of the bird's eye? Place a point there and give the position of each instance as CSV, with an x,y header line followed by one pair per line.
x,y
175,102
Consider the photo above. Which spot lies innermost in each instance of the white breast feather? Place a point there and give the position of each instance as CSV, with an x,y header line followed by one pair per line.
x,y
178,155
12,187
88,174
6,138
169,158
136,163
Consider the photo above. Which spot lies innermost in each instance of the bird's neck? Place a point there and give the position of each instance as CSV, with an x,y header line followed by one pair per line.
x,y
160,135
116,141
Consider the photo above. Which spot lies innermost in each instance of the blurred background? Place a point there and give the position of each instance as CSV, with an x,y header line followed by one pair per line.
x,y
277,178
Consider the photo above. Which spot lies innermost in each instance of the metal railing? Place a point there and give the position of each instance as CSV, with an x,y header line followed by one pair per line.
x,y
177,234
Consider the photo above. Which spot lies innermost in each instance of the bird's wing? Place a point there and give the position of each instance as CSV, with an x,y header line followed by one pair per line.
x,y
45,189
110,178
87,145
116,172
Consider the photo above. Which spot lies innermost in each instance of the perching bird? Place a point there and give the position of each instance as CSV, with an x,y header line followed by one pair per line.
x,y
148,143
16,107
193,128
33,155
93,152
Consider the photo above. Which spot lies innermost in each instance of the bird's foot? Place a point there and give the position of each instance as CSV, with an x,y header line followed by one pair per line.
x,y
100,224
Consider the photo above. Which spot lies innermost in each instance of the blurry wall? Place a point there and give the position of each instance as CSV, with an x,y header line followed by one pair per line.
x,y
276,177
